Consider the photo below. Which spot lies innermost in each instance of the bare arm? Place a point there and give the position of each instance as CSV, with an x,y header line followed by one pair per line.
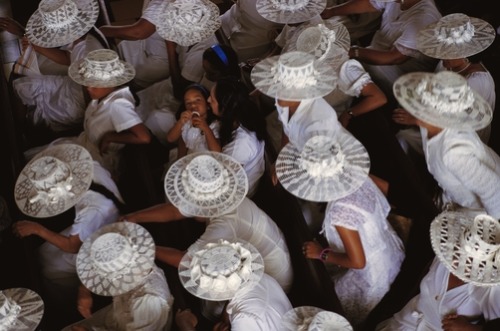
x,y
377,57
175,132
138,134
349,8
169,255
178,82
70,244
141,29
370,99
161,213
55,54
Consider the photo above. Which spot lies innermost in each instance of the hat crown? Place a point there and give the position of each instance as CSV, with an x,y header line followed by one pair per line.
x,y
482,239
58,13
454,29
189,14
102,64
205,174
316,40
220,260
322,157
51,179
289,5
9,311
111,253
296,70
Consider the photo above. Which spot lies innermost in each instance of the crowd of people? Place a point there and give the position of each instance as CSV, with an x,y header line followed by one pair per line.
x,y
289,92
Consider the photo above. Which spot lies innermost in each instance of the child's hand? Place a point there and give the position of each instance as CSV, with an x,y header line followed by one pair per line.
x,y
200,123
186,116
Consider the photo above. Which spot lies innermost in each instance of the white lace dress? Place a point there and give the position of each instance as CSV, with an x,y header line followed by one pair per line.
x,y
365,211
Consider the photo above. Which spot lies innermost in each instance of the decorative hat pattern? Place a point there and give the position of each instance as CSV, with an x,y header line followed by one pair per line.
x,y
469,248
54,180
326,40
187,22
293,76
206,184
60,22
21,309
101,68
329,321
455,36
442,99
116,258
310,318
290,11
218,271
327,168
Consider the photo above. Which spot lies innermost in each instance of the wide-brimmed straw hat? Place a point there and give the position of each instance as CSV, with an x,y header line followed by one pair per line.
x,y
116,258
290,11
101,68
21,309
293,76
310,318
60,22
455,36
468,247
54,180
442,99
187,22
219,270
206,184
326,169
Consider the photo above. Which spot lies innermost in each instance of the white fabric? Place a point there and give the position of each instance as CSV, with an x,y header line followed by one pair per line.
x,y
249,152
59,101
365,211
260,308
194,140
467,170
426,310
250,223
146,308
191,59
92,212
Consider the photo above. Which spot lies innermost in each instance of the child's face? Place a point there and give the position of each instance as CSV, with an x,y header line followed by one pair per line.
x,y
97,93
195,101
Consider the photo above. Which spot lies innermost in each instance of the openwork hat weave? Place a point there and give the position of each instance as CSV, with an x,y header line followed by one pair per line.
x,y
116,258
206,184
326,169
293,76
329,321
469,248
309,318
54,180
60,22
101,68
442,99
455,36
219,270
290,11
21,309
187,22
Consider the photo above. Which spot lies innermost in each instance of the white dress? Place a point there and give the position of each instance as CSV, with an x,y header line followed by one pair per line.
x,y
426,310
59,101
365,211
194,139
467,170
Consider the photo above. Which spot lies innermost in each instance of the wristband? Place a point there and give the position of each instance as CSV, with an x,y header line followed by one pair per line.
x,y
356,51
323,256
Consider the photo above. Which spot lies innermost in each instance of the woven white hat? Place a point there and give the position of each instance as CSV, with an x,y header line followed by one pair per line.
x,y
442,99
187,22
290,11
468,247
60,22
54,180
206,184
116,258
101,68
293,76
327,168
21,309
310,318
218,271
455,36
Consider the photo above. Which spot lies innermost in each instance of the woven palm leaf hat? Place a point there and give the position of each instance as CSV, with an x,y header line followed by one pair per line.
x,y
326,169
60,22
442,99
310,318
116,258
187,22
293,76
468,247
54,180
218,271
455,36
290,11
21,309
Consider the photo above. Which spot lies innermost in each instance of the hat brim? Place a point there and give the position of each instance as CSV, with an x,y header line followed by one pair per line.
x,y
268,10
80,162
327,320
300,183
41,35
221,203
125,77
446,231
32,308
428,44
263,78
299,316
144,255
478,116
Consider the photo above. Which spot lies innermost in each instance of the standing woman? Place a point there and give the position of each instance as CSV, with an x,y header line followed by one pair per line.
x,y
242,127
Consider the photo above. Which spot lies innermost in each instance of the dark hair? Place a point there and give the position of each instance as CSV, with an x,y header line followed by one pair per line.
x,y
205,92
223,59
235,105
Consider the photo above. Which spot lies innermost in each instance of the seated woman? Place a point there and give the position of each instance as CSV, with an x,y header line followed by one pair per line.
x,y
364,255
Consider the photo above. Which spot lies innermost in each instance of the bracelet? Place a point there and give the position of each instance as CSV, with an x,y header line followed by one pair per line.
x,y
356,51
324,254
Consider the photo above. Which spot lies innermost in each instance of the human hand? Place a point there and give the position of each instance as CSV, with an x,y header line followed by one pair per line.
x,y
185,319
401,116
10,25
454,322
26,228
186,116
84,302
199,123
221,326
312,249
344,119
